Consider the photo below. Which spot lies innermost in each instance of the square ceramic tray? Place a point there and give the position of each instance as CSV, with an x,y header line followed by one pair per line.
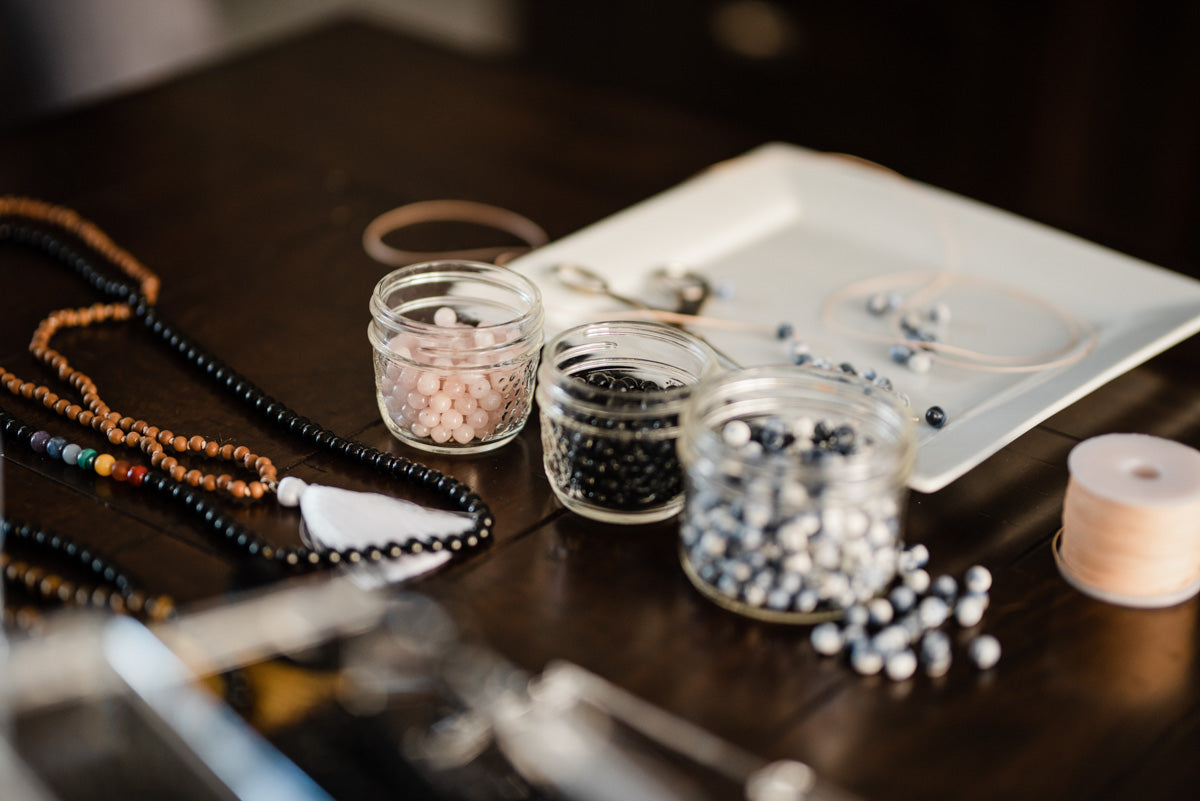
x,y
781,229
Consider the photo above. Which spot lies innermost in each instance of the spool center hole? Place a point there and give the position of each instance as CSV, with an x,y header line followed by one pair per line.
x,y
1147,472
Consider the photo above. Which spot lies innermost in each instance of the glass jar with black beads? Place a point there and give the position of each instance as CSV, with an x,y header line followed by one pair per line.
x,y
609,395
796,479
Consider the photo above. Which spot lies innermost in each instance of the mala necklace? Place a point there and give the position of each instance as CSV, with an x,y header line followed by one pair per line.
x,y
24,221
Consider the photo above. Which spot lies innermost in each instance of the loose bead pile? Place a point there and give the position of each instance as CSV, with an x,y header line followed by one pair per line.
x,y
906,629
935,416
790,545
477,388
613,462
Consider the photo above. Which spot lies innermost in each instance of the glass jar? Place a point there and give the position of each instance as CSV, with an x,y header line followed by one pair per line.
x,y
456,344
610,395
796,480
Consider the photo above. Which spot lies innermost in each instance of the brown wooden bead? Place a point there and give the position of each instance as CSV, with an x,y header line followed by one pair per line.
x,y
178,472
160,608
210,483
139,426
50,584
116,436
239,453
73,411
165,436
151,432
197,443
249,459
32,577
85,417
61,406
180,444
27,389
194,477
132,439
238,489
227,452
212,449
40,391
126,423
223,481
168,463
256,489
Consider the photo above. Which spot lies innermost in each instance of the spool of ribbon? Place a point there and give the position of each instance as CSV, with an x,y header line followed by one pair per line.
x,y
1131,520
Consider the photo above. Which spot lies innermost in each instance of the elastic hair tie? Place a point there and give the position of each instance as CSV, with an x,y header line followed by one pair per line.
x,y
466,211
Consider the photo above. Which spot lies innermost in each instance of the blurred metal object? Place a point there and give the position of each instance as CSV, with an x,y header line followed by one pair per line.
x,y
471,723
686,289
100,706
672,287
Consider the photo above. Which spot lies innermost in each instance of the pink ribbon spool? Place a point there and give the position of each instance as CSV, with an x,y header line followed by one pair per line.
x,y
1131,520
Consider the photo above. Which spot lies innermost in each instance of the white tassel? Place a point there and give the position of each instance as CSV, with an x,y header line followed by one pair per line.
x,y
338,518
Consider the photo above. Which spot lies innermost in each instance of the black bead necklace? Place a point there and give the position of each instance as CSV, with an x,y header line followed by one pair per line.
x,y
24,229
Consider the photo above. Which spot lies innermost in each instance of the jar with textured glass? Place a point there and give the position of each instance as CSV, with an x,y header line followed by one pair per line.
x,y
796,479
610,395
456,346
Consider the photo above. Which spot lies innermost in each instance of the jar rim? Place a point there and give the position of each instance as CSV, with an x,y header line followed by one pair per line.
x,y
388,321
700,437
432,272
564,382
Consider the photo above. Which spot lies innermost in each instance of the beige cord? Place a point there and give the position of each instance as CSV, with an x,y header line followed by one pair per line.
x,y
466,211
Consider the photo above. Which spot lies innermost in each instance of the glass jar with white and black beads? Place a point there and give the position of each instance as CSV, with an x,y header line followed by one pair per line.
x,y
609,395
796,479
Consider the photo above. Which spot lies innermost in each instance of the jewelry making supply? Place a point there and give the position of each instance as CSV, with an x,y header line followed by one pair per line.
x,y
1131,520
914,637
808,506
917,318
457,211
985,651
610,395
61,234
456,345
108,589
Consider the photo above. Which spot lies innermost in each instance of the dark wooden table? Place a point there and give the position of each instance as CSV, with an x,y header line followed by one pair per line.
x,y
247,187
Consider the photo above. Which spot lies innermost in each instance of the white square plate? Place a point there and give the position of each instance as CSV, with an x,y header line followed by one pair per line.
x,y
782,228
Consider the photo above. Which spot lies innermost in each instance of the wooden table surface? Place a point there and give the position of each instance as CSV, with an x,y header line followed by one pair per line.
x,y
247,186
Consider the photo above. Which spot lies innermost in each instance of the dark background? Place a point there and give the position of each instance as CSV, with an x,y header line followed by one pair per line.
x,y
1082,115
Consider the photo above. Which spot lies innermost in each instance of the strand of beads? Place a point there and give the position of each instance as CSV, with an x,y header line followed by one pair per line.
x,y
16,216
114,591
123,430
92,411
245,539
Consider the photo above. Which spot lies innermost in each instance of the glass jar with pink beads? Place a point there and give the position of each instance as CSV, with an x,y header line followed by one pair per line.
x,y
456,347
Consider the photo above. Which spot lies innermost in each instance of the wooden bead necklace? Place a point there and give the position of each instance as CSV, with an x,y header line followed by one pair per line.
x,y
112,591
158,444
23,221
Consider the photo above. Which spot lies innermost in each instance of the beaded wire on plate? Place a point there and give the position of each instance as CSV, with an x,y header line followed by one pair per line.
x,y
41,226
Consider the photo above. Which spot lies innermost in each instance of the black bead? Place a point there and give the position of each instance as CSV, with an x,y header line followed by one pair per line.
x,y
935,416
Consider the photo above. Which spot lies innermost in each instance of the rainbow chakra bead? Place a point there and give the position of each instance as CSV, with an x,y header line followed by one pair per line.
x,y
103,464
86,459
